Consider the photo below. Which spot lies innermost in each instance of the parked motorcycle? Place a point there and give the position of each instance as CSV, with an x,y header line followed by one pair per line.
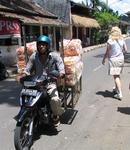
x,y
3,72
35,110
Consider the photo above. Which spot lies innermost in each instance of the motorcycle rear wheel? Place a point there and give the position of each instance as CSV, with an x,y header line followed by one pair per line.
x,y
22,139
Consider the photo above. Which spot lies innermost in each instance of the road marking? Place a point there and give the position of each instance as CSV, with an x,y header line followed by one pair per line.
x,y
91,106
97,68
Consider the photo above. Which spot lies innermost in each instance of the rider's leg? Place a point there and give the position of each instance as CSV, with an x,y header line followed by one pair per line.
x,y
55,101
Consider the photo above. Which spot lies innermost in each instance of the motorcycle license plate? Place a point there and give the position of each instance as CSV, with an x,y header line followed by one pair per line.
x,y
29,92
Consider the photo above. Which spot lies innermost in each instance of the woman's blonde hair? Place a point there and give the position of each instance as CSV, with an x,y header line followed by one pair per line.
x,y
115,33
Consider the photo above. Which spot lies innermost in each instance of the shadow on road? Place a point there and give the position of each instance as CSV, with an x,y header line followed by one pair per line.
x,y
124,110
44,130
105,93
68,116
9,92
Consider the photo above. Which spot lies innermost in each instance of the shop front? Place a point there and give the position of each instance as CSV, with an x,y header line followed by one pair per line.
x,y
10,40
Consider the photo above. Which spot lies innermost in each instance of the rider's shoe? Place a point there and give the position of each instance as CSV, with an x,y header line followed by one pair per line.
x,y
56,121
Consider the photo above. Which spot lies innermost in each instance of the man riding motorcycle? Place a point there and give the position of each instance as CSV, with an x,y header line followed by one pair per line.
x,y
44,63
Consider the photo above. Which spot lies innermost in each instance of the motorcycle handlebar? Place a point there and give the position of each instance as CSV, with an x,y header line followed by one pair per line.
x,y
38,81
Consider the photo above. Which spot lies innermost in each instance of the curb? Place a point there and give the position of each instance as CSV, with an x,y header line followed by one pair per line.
x,y
90,48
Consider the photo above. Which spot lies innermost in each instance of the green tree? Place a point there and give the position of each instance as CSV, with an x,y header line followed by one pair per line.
x,y
104,15
106,18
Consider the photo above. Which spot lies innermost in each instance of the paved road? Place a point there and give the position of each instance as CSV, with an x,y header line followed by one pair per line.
x,y
100,122
9,103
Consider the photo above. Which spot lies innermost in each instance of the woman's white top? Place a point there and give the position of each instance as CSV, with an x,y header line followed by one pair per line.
x,y
116,50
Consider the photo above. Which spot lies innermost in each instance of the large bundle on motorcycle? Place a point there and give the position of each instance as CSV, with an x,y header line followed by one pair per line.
x,y
73,61
20,59
21,53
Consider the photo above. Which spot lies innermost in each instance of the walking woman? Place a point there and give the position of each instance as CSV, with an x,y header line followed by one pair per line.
x,y
116,47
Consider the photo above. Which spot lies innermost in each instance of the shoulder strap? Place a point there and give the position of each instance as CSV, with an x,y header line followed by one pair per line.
x,y
119,45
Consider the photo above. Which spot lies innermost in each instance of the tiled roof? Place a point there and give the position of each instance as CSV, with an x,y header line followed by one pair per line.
x,y
28,12
24,7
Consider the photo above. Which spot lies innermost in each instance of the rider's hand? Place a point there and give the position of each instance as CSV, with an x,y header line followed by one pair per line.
x,y
54,73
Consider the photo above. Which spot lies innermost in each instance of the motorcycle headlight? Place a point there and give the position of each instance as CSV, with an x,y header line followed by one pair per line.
x,y
29,83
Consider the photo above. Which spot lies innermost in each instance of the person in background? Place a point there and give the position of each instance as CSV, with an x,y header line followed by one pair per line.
x,y
116,48
45,63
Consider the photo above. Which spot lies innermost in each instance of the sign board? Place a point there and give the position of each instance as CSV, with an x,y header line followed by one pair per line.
x,y
8,26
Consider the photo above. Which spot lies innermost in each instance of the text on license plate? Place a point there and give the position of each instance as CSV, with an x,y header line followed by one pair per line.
x,y
29,92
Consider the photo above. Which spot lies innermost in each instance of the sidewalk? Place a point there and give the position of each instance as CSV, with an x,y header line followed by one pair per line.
x,y
90,48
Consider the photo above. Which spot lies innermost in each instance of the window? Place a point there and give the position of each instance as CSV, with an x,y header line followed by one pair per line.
x,y
8,41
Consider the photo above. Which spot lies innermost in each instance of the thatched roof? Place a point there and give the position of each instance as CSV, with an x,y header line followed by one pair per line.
x,y
27,12
123,22
81,21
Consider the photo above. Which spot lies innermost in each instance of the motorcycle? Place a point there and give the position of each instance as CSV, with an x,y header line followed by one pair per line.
x,y
3,72
35,110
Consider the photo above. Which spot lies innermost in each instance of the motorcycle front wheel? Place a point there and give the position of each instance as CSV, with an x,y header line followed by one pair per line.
x,y
22,139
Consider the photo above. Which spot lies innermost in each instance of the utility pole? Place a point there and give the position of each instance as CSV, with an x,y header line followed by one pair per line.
x,y
107,2
93,2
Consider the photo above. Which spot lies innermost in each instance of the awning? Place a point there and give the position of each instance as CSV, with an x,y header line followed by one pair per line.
x,y
34,20
80,21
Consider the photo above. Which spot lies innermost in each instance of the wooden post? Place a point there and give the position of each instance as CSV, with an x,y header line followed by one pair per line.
x,y
54,38
24,43
41,30
62,47
77,32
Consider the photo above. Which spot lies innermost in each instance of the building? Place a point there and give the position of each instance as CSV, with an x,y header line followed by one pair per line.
x,y
76,15
22,22
125,23
82,23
